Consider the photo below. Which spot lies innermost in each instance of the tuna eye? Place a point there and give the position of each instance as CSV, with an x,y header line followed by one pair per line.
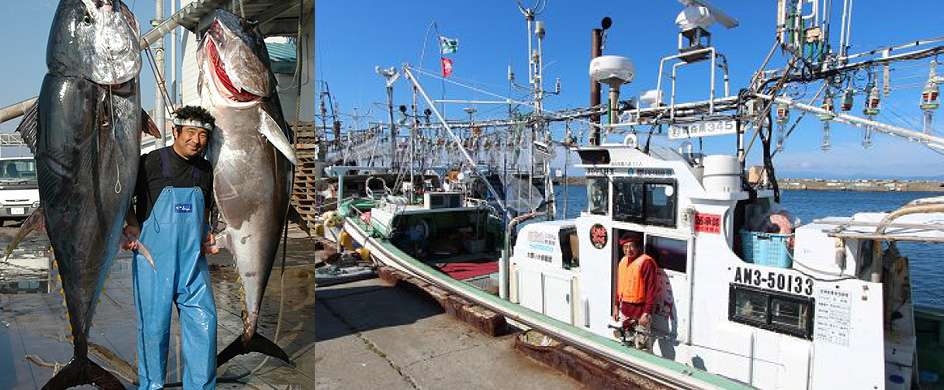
x,y
87,19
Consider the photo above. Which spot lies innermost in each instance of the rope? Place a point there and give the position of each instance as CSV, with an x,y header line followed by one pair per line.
x,y
839,278
111,113
117,180
479,90
299,56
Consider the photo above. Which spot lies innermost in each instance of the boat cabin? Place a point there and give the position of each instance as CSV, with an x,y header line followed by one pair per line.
x,y
771,310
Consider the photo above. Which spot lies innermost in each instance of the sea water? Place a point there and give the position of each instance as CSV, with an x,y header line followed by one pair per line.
x,y
927,260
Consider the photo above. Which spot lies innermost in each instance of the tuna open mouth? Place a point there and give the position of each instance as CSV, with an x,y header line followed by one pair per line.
x,y
223,79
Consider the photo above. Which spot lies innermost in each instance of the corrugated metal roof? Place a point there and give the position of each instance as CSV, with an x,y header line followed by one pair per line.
x,y
283,56
275,17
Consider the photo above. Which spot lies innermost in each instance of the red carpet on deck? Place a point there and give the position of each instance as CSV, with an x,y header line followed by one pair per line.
x,y
462,271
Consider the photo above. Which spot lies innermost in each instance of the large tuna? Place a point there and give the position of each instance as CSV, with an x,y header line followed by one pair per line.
x,y
252,161
87,149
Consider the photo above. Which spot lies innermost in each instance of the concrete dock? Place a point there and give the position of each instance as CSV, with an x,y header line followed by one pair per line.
x,y
34,334
374,336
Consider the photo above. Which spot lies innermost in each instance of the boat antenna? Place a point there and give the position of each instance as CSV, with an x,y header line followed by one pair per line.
x,y
539,7
649,138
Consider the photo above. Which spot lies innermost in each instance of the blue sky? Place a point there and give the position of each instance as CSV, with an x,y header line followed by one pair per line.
x,y
354,36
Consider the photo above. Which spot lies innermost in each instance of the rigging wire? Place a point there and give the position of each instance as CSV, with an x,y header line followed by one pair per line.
x,y
161,84
553,115
799,118
890,107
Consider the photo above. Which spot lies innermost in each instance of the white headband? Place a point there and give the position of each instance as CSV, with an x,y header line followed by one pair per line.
x,y
193,123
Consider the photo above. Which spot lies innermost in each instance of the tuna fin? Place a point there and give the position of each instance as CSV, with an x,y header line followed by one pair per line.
x,y
35,221
82,371
122,369
258,343
148,126
273,132
29,126
222,241
143,251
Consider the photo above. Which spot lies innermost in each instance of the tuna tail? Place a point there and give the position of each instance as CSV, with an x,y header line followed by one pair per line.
x,y
258,343
82,371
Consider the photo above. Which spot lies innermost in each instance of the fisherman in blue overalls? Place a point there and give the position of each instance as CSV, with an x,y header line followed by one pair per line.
x,y
173,198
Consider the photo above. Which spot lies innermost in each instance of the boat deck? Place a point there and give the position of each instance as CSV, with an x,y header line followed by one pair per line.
x,y
34,334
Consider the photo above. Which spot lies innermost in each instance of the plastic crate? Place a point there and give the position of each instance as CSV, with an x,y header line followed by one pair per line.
x,y
768,249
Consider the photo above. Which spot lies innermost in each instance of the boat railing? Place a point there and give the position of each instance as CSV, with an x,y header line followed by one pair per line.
x,y
902,232
929,231
369,224
336,202
925,228
384,190
476,202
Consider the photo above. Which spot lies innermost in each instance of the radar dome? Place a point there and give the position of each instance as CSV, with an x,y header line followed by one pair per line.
x,y
612,70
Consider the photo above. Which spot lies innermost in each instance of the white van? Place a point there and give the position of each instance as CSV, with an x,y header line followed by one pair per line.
x,y
19,192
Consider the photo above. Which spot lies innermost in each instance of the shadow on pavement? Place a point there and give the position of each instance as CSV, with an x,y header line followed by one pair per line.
x,y
367,305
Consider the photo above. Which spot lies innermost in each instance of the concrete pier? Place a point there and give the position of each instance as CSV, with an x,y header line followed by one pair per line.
x,y
374,336
34,333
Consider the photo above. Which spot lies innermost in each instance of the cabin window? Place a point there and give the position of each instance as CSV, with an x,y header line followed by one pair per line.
x,y
594,157
628,201
750,307
650,202
598,191
670,254
789,313
570,256
660,204
770,310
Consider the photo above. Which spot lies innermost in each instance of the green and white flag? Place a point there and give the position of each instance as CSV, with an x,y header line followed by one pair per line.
x,y
448,45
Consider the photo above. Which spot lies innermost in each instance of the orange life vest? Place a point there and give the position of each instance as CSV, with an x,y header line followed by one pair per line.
x,y
629,283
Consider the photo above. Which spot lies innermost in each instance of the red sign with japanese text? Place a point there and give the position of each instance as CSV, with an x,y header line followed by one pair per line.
x,y
707,223
598,236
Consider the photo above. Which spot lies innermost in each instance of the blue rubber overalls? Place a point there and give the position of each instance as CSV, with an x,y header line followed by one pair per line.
x,y
173,233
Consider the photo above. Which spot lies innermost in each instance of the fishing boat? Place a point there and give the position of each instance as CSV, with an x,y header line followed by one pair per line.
x,y
767,317
740,305
737,302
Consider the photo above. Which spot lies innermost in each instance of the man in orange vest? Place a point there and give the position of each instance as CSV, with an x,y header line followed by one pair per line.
x,y
636,289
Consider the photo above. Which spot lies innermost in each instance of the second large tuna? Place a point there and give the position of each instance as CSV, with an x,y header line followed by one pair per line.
x,y
252,160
